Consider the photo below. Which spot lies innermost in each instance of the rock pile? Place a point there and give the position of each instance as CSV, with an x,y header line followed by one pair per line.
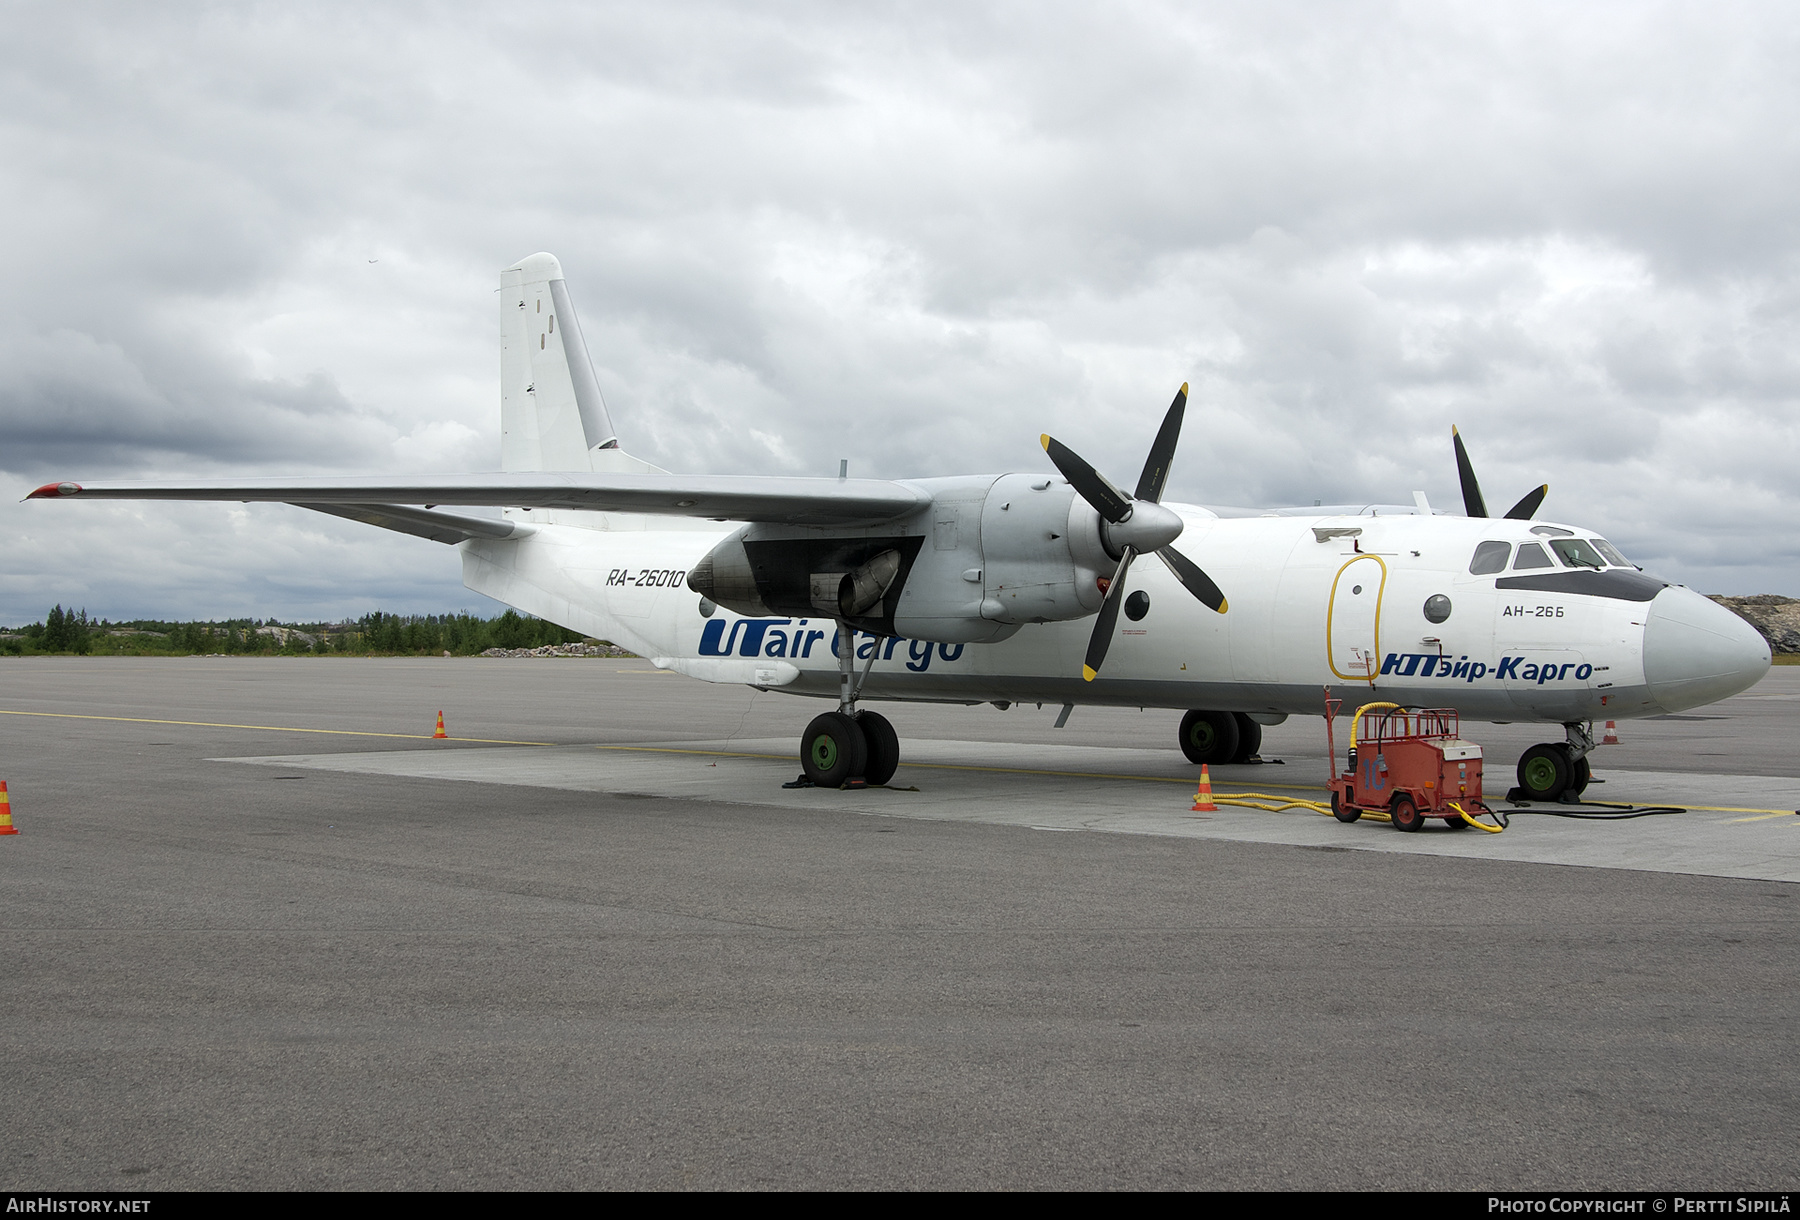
x,y
561,650
1777,617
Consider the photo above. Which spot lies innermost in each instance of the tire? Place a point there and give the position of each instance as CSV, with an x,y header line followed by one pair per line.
x,y
1544,772
883,747
1249,738
1580,775
832,750
1455,822
1209,737
1404,814
1342,812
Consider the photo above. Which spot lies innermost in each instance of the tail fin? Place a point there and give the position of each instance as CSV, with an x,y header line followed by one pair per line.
x,y
552,416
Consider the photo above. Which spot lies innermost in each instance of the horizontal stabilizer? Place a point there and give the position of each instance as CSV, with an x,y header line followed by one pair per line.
x,y
450,528
788,501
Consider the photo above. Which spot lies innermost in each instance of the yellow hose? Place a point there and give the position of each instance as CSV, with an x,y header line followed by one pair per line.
x,y
1357,719
1254,800
1469,818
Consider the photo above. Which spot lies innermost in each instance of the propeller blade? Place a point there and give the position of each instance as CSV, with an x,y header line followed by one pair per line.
x,y
1193,579
1101,640
1107,500
1523,510
1162,451
1473,504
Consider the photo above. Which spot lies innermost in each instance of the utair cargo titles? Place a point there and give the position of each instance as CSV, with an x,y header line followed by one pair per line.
x,y
1052,583
764,637
1516,669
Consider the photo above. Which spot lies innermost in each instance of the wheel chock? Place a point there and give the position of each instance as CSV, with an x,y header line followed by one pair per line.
x,y
440,734
1203,798
6,826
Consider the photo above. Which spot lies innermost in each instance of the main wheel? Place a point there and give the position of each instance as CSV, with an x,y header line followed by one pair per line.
x,y
1249,738
1209,737
1404,814
884,747
1544,772
833,750
1343,812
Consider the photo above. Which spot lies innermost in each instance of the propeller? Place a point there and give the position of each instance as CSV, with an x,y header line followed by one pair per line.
x,y
1473,504
1135,524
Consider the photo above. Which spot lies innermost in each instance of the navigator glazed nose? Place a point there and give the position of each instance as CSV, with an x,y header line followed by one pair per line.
x,y
1696,651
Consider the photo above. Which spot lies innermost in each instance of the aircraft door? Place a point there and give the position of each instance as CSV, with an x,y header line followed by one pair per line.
x,y
1353,619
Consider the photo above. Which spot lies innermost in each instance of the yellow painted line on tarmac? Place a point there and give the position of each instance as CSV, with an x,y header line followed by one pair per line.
x,y
275,728
1784,813
1147,779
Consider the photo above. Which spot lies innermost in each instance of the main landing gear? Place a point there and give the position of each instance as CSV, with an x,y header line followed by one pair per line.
x,y
849,745
1219,737
1550,771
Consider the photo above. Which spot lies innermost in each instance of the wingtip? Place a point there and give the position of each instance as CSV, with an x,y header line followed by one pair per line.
x,y
50,491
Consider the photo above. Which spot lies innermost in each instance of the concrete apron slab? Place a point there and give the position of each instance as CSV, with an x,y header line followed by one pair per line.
x,y
1136,791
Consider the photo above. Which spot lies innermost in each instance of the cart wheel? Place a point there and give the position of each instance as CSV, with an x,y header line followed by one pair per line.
x,y
1455,822
1342,812
1405,814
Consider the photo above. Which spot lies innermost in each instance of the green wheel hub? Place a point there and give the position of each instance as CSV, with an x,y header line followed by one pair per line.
x,y
824,751
1203,736
1540,774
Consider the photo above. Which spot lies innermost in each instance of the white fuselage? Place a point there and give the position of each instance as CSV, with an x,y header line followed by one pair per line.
x,y
1314,603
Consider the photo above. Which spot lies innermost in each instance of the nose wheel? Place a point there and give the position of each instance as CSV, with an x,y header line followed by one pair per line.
x,y
1549,771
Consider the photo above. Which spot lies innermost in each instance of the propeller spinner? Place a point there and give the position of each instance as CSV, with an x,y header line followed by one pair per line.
x,y
1134,524
1473,504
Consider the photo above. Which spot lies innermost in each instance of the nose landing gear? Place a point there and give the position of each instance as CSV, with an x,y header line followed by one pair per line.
x,y
849,744
1555,770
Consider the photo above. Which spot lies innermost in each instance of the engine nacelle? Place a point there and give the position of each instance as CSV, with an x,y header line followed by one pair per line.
x,y
988,556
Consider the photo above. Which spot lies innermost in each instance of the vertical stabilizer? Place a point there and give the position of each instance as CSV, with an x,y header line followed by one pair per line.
x,y
552,416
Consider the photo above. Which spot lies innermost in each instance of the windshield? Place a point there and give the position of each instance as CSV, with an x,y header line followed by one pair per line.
x,y
1576,554
1611,552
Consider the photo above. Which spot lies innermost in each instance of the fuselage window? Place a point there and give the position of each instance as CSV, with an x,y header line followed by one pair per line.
x,y
1611,552
1531,555
1490,557
1576,554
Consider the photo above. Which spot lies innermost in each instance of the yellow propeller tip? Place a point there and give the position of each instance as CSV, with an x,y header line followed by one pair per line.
x,y
1224,605
1088,675
1184,387
1044,440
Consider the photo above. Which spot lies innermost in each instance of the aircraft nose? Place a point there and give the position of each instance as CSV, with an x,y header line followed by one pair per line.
x,y
1697,652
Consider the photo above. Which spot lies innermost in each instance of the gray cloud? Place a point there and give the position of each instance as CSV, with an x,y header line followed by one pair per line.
x,y
1569,231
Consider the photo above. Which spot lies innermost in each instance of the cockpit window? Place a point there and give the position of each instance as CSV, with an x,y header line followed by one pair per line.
x,y
1531,555
1490,557
1611,552
1576,554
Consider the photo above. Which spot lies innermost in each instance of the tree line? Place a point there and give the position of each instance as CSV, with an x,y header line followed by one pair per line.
x,y
374,634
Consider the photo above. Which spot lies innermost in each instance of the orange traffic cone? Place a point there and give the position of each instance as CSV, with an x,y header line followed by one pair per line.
x,y
1612,735
6,826
440,729
1203,802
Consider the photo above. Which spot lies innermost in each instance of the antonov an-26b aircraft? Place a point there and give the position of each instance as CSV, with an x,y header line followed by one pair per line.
x,y
1008,588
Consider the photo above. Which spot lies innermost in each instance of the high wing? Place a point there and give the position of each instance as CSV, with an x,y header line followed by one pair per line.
x,y
773,499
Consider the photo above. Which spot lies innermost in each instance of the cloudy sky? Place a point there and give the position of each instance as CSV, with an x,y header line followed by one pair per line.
x,y
266,239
